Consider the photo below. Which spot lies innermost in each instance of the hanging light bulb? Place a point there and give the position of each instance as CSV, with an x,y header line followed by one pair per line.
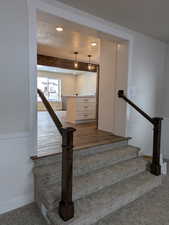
x,y
59,29
76,61
89,64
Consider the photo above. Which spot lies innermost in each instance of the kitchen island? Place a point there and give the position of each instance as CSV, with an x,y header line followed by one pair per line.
x,y
81,109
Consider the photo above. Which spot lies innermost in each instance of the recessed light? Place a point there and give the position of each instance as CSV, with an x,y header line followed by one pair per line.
x,y
93,44
59,29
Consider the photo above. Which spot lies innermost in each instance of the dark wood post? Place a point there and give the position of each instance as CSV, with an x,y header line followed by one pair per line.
x,y
155,166
66,206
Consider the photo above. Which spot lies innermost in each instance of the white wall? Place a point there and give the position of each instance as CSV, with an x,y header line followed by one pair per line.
x,y
106,85
121,83
113,77
145,88
146,85
68,81
165,107
15,165
83,84
165,138
14,67
86,84
166,86
68,87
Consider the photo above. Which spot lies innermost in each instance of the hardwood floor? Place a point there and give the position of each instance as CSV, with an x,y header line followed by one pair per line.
x,y
86,135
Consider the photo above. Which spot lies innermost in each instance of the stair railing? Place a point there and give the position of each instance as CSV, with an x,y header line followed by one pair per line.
x,y
156,122
66,205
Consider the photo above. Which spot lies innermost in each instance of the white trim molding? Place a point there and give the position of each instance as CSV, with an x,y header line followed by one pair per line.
x,y
16,203
74,15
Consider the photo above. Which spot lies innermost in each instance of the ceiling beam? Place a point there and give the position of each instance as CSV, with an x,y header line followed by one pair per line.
x,y
64,63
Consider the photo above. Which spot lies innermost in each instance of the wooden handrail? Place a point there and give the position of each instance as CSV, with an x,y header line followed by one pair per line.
x,y
156,122
66,205
50,111
145,115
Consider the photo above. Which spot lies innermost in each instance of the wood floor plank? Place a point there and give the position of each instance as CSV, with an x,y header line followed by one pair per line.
x,y
86,135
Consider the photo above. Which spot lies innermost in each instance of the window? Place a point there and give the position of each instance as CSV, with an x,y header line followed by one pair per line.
x,y
50,87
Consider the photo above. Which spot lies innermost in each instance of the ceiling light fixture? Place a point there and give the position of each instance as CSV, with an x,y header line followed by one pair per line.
x,y
93,44
89,64
76,61
59,29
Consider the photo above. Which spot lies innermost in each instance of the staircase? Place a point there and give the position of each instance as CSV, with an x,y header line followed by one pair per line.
x,y
85,186
105,178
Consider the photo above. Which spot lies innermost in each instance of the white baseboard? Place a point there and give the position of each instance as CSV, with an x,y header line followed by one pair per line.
x,y
16,203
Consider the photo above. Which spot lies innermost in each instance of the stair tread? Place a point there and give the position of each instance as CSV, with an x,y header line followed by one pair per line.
x,y
92,182
100,158
91,209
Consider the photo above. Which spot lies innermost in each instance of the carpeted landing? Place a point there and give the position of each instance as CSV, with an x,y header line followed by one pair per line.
x,y
151,209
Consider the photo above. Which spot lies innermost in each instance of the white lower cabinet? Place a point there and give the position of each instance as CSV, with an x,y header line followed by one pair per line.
x,y
81,109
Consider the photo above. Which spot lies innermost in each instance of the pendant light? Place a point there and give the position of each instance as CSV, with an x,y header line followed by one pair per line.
x,y
89,64
76,61
59,29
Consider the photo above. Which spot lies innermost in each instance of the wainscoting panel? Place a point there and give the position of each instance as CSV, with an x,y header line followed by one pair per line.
x,y
15,171
165,138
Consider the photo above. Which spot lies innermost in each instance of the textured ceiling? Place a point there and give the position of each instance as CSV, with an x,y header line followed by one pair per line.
x,y
147,16
63,44
74,37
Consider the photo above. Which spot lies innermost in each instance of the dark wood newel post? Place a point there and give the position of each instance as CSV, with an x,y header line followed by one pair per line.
x,y
66,206
155,166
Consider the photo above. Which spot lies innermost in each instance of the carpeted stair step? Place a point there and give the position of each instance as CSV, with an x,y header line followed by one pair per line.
x,y
50,174
93,182
94,207
55,158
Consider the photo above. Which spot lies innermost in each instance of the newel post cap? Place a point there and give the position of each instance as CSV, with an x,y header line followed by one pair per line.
x,y
120,93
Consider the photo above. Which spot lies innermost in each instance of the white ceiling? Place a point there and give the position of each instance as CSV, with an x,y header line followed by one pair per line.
x,y
147,16
63,44
73,38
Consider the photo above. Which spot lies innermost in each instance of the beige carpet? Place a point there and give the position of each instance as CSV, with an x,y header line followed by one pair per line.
x,y
151,209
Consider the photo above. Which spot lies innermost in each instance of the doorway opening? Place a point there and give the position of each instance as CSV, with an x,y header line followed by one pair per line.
x,y
102,69
72,95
